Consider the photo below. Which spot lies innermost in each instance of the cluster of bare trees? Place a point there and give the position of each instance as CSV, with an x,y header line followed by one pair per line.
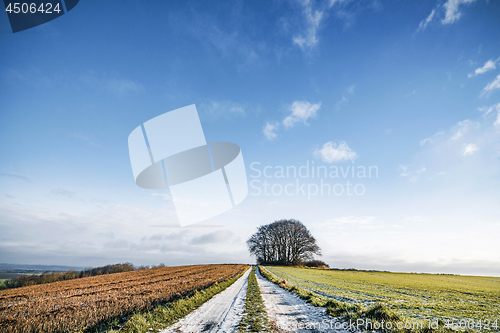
x,y
283,242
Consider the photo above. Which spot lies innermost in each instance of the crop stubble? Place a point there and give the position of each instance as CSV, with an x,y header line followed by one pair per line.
x,y
83,303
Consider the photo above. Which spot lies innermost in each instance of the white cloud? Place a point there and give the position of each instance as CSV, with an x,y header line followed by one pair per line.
x,y
469,149
350,90
488,110
345,99
349,220
270,130
418,172
453,12
164,195
429,18
301,111
313,20
404,171
333,2
33,77
495,84
491,109
449,153
332,153
308,39
460,129
12,175
123,86
457,135
63,192
117,86
424,141
488,66
413,219
226,39
84,137
86,235
413,175
224,108
218,236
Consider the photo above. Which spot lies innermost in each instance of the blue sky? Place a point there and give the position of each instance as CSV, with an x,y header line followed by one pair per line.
x,y
411,87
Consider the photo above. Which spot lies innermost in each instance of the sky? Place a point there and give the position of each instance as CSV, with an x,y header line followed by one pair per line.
x,y
398,101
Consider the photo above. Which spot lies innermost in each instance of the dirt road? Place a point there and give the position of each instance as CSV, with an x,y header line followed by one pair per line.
x,y
288,313
221,314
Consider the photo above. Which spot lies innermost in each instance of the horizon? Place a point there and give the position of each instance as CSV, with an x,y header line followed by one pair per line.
x,y
410,90
351,269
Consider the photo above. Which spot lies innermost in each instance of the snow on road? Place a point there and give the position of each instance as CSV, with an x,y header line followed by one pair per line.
x,y
286,311
289,313
221,314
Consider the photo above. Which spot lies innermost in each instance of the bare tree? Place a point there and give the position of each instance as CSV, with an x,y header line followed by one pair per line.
x,y
283,242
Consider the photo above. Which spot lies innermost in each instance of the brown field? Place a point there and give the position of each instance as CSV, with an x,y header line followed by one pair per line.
x,y
83,303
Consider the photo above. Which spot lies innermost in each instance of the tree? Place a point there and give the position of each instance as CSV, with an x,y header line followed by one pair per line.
x,y
283,242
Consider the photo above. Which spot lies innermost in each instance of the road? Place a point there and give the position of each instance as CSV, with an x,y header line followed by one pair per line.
x,y
221,314
286,311
289,313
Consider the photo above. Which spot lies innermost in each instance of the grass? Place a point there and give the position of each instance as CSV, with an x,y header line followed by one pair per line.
x,y
418,296
336,290
8,276
4,277
254,317
165,315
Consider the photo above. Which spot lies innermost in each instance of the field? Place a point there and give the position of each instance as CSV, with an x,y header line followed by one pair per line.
x,y
87,302
6,276
416,296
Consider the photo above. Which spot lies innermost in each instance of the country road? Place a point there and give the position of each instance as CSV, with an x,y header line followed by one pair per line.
x,y
285,310
221,314
289,313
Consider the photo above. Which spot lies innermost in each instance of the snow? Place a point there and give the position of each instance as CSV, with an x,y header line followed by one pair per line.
x,y
287,312
221,314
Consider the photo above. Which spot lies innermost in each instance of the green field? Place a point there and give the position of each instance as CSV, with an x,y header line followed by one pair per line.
x,y
418,296
7,276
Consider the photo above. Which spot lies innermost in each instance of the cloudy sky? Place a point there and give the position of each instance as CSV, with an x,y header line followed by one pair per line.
x,y
409,90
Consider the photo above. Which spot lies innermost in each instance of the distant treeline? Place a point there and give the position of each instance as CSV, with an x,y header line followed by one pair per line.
x,y
358,270
47,277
